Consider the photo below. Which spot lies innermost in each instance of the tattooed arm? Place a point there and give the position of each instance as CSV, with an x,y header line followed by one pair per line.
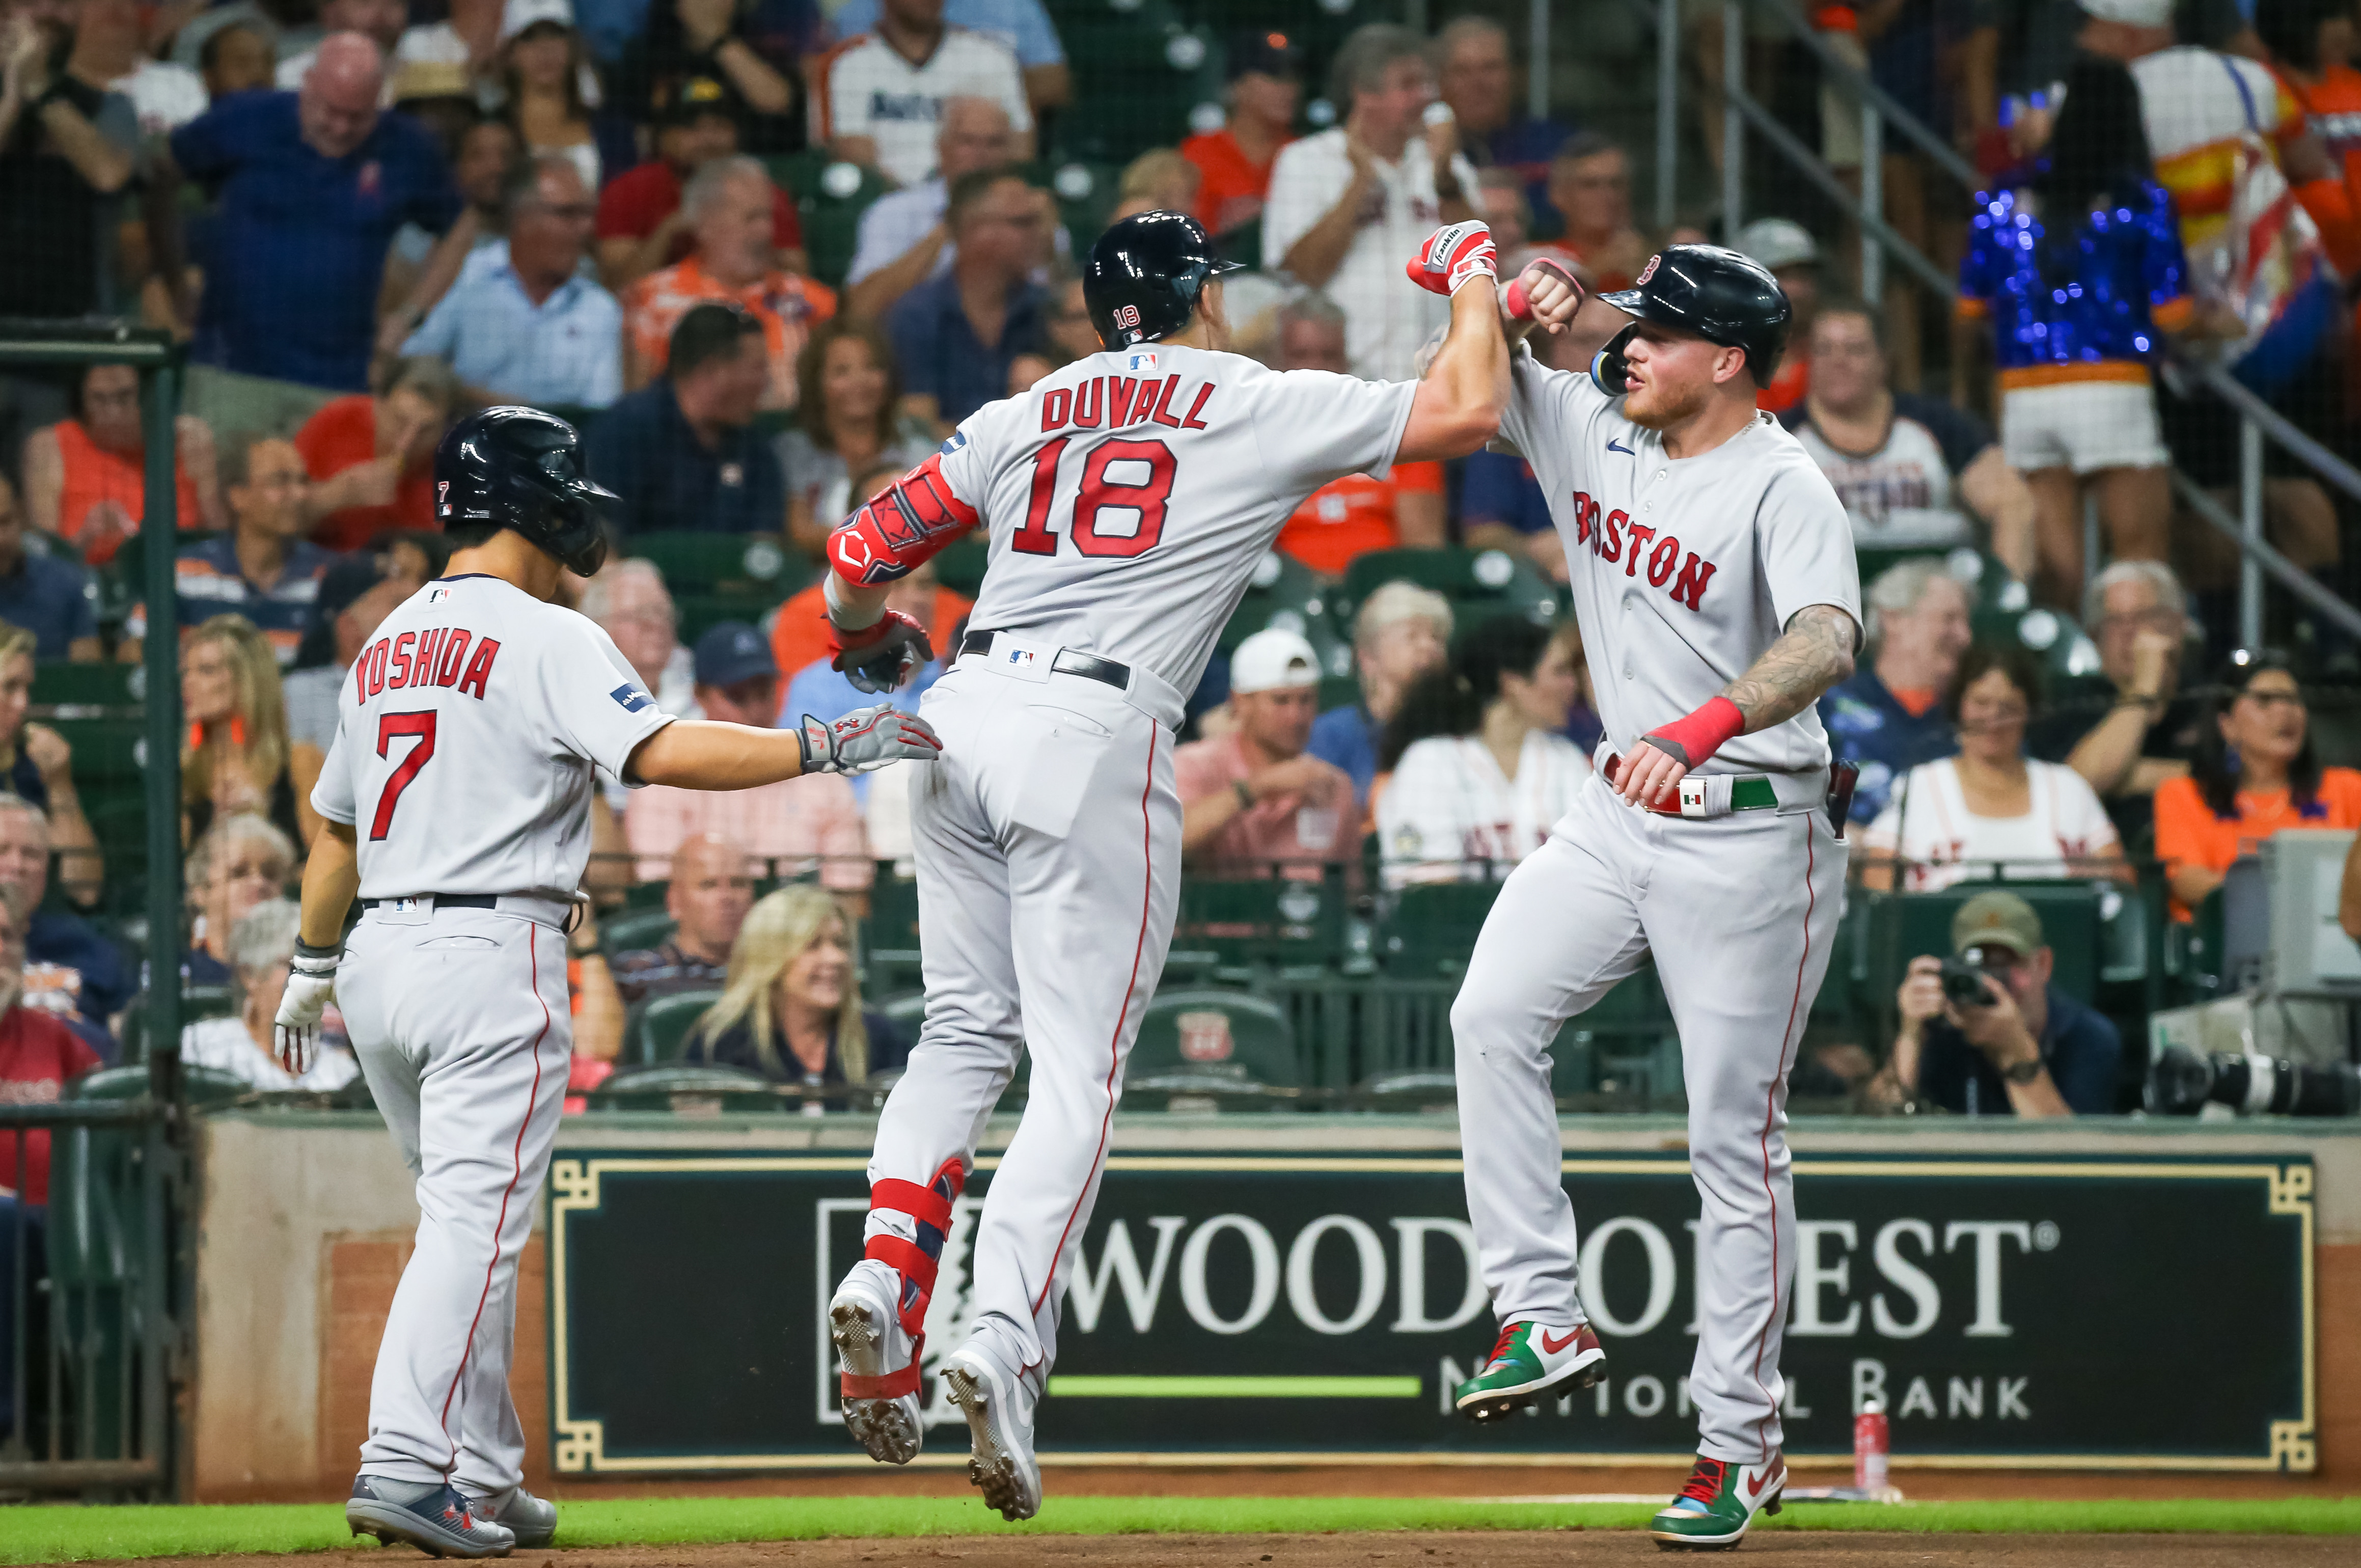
x,y
1814,653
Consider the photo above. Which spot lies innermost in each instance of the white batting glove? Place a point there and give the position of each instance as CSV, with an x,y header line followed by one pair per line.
x,y
1454,254
311,986
863,741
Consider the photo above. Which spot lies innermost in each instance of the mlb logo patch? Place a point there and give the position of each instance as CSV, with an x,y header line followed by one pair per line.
x,y
1126,316
1140,361
630,698
1021,657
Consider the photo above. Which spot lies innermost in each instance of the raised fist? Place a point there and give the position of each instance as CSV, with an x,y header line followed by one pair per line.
x,y
1452,255
1545,293
881,657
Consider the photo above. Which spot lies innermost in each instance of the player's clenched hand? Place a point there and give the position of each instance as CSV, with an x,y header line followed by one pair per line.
x,y
866,740
881,657
1545,293
310,986
1649,777
1454,254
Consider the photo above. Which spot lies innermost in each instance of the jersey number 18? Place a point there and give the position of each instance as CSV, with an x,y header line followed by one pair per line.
x,y
1101,490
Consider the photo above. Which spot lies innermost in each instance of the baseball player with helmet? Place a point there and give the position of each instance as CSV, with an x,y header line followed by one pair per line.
x,y
457,795
1128,499
1714,580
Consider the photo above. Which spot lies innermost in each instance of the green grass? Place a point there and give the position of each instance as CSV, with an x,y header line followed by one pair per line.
x,y
65,1534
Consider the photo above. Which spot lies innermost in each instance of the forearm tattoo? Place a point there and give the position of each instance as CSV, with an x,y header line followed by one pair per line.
x,y
1815,653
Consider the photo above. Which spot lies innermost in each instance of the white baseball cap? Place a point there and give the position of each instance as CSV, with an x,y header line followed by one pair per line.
x,y
519,14
1777,242
2133,13
1274,660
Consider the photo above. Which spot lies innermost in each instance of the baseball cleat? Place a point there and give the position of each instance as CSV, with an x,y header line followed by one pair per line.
x,y
999,1413
532,1520
879,1383
1717,1505
1531,1361
433,1516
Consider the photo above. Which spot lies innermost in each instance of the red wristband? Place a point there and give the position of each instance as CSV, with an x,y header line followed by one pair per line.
x,y
1701,734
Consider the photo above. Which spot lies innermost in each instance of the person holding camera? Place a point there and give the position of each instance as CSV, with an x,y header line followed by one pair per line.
x,y
1985,1033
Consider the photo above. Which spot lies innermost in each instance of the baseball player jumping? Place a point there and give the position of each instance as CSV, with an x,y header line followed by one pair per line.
x,y
1128,498
458,797
1715,584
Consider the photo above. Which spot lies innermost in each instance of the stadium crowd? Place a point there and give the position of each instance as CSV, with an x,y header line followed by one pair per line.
x,y
769,255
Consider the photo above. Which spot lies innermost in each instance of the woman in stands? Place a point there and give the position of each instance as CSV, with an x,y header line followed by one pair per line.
x,y
1990,806
239,862
1479,768
262,946
86,475
850,395
237,758
37,765
2256,772
545,70
792,1010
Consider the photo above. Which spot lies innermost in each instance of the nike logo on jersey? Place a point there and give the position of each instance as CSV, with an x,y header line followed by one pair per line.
x,y
1617,538
1613,445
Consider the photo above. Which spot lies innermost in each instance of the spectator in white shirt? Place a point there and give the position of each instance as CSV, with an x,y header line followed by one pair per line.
x,y
905,238
262,946
1990,806
1347,205
107,47
882,94
1478,769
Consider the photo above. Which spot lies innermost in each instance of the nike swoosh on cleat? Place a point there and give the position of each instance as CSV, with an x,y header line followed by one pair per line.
x,y
1550,1347
1754,1487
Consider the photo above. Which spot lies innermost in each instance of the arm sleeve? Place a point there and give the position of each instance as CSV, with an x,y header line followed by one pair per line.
x,y
332,797
1804,543
1294,203
600,711
924,511
1334,425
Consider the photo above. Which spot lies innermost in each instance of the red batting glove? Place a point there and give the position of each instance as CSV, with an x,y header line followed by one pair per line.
x,y
1452,255
1693,740
879,658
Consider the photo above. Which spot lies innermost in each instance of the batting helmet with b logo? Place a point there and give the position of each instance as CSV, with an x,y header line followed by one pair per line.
x,y
1143,277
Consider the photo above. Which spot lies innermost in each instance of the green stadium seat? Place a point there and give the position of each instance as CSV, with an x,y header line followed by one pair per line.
x,y
197,1003
635,928
1284,592
110,687
1478,583
660,1033
889,936
2050,635
1433,926
647,894
686,1086
752,566
1261,922
959,567
830,196
1221,1048
1905,926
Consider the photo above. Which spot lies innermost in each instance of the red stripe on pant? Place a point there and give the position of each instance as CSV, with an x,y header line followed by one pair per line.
x,y
1114,1041
516,1174
1771,1111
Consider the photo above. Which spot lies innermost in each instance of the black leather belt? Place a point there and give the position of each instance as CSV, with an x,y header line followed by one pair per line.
x,y
443,901
1090,666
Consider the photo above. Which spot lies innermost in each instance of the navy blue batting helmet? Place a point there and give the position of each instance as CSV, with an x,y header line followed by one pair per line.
x,y
1144,275
521,469
1722,296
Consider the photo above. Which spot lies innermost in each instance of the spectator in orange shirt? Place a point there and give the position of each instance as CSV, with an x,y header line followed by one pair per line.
x,y
1590,186
372,458
728,206
2256,772
1266,81
799,635
85,477
1356,513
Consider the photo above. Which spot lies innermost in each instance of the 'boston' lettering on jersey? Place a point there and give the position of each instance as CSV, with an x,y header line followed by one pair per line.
x,y
1120,401
1616,537
437,658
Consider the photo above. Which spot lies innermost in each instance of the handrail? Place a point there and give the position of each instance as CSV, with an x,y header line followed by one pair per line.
x,y
2289,575
1860,86
2275,425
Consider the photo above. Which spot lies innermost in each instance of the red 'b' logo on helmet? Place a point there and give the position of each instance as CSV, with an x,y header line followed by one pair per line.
x,y
1126,316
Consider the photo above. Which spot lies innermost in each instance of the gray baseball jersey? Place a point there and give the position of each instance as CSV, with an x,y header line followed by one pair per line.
x,y
1131,495
1683,572
470,726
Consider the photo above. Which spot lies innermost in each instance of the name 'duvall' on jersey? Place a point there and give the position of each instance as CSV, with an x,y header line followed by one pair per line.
x,y
1615,537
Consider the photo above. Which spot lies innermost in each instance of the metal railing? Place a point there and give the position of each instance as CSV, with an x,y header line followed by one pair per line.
x,y
1879,111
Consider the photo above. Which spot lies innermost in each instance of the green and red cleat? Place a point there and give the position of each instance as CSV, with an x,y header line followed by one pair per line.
x,y
1531,1361
1717,1505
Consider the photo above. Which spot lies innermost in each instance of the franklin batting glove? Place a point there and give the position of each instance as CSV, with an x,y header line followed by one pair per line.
x,y
879,658
864,741
1452,255
311,986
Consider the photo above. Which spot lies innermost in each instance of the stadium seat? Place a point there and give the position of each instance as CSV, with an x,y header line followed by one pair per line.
x,y
634,929
198,1003
1209,1048
1905,926
960,565
2050,635
731,565
113,689
648,894
660,1033
686,1086
830,196
1260,922
1478,583
889,936
1432,927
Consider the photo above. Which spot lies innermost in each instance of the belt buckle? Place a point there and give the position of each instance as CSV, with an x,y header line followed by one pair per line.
x,y
1693,796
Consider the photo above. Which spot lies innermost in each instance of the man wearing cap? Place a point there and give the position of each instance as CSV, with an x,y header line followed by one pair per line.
x,y
796,824
1254,797
2029,1049
640,227
1788,249
1234,163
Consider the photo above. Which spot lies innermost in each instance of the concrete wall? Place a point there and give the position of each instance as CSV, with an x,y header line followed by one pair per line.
x,y
306,1222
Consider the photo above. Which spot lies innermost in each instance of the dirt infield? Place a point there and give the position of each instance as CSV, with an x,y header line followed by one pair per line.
x,y
1545,1549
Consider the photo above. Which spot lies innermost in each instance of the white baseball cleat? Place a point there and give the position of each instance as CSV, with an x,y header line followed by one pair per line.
x,y
879,1383
999,1410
